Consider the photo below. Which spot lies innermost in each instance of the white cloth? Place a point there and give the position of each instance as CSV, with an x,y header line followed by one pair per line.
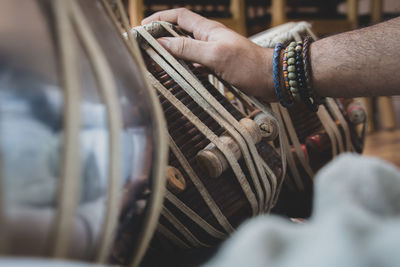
x,y
355,222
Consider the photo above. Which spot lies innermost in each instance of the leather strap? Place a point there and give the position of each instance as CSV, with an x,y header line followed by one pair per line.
x,y
68,190
339,116
182,229
171,236
213,138
295,141
215,210
108,92
325,118
194,216
211,105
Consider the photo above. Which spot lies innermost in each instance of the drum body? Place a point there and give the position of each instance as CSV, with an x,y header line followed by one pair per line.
x,y
222,170
319,137
79,139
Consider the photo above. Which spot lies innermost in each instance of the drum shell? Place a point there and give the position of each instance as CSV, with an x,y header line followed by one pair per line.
x,y
224,189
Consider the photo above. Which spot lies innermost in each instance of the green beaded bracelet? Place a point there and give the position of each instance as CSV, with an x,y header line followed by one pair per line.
x,y
290,70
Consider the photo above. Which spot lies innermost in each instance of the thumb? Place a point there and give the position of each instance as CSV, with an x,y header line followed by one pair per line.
x,y
188,49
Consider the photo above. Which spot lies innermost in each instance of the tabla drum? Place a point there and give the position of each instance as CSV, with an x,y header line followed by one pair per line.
x,y
207,197
221,168
82,138
314,138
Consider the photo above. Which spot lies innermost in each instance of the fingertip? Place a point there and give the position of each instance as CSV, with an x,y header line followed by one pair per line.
x,y
146,20
165,42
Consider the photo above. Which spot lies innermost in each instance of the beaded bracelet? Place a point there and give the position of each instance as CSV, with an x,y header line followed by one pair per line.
x,y
299,68
289,70
276,75
286,77
296,75
304,94
312,99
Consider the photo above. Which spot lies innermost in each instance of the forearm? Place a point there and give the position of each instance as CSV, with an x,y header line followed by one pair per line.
x,y
359,63
363,62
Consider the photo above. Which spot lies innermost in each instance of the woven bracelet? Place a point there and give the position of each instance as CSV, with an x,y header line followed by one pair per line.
x,y
276,75
303,91
313,100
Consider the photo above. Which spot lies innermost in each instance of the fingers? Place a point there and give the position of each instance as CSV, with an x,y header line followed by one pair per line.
x,y
187,20
189,49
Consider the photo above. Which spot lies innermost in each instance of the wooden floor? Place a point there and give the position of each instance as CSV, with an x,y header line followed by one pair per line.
x,y
385,145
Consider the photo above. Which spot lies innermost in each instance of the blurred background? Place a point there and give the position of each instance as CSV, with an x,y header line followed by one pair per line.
x,y
249,17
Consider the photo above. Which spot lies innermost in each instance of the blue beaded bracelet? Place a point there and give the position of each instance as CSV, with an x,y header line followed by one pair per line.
x,y
276,75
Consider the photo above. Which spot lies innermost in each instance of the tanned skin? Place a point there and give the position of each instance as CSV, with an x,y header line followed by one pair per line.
x,y
364,62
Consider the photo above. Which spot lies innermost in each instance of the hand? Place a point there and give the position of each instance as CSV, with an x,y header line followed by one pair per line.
x,y
231,56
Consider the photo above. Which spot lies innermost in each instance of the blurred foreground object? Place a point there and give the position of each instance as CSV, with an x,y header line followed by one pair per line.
x,y
81,139
355,222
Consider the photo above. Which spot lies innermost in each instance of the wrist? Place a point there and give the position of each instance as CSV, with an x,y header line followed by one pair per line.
x,y
265,91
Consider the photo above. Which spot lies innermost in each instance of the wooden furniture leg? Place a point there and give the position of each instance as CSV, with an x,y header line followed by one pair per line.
x,y
386,113
352,13
278,12
239,16
370,118
385,105
376,11
136,12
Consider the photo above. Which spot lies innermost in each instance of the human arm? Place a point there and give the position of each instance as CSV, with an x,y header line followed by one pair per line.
x,y
362,62
358,63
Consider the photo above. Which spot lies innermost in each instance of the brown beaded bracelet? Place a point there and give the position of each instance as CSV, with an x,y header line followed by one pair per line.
x,y
286,93
314,99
